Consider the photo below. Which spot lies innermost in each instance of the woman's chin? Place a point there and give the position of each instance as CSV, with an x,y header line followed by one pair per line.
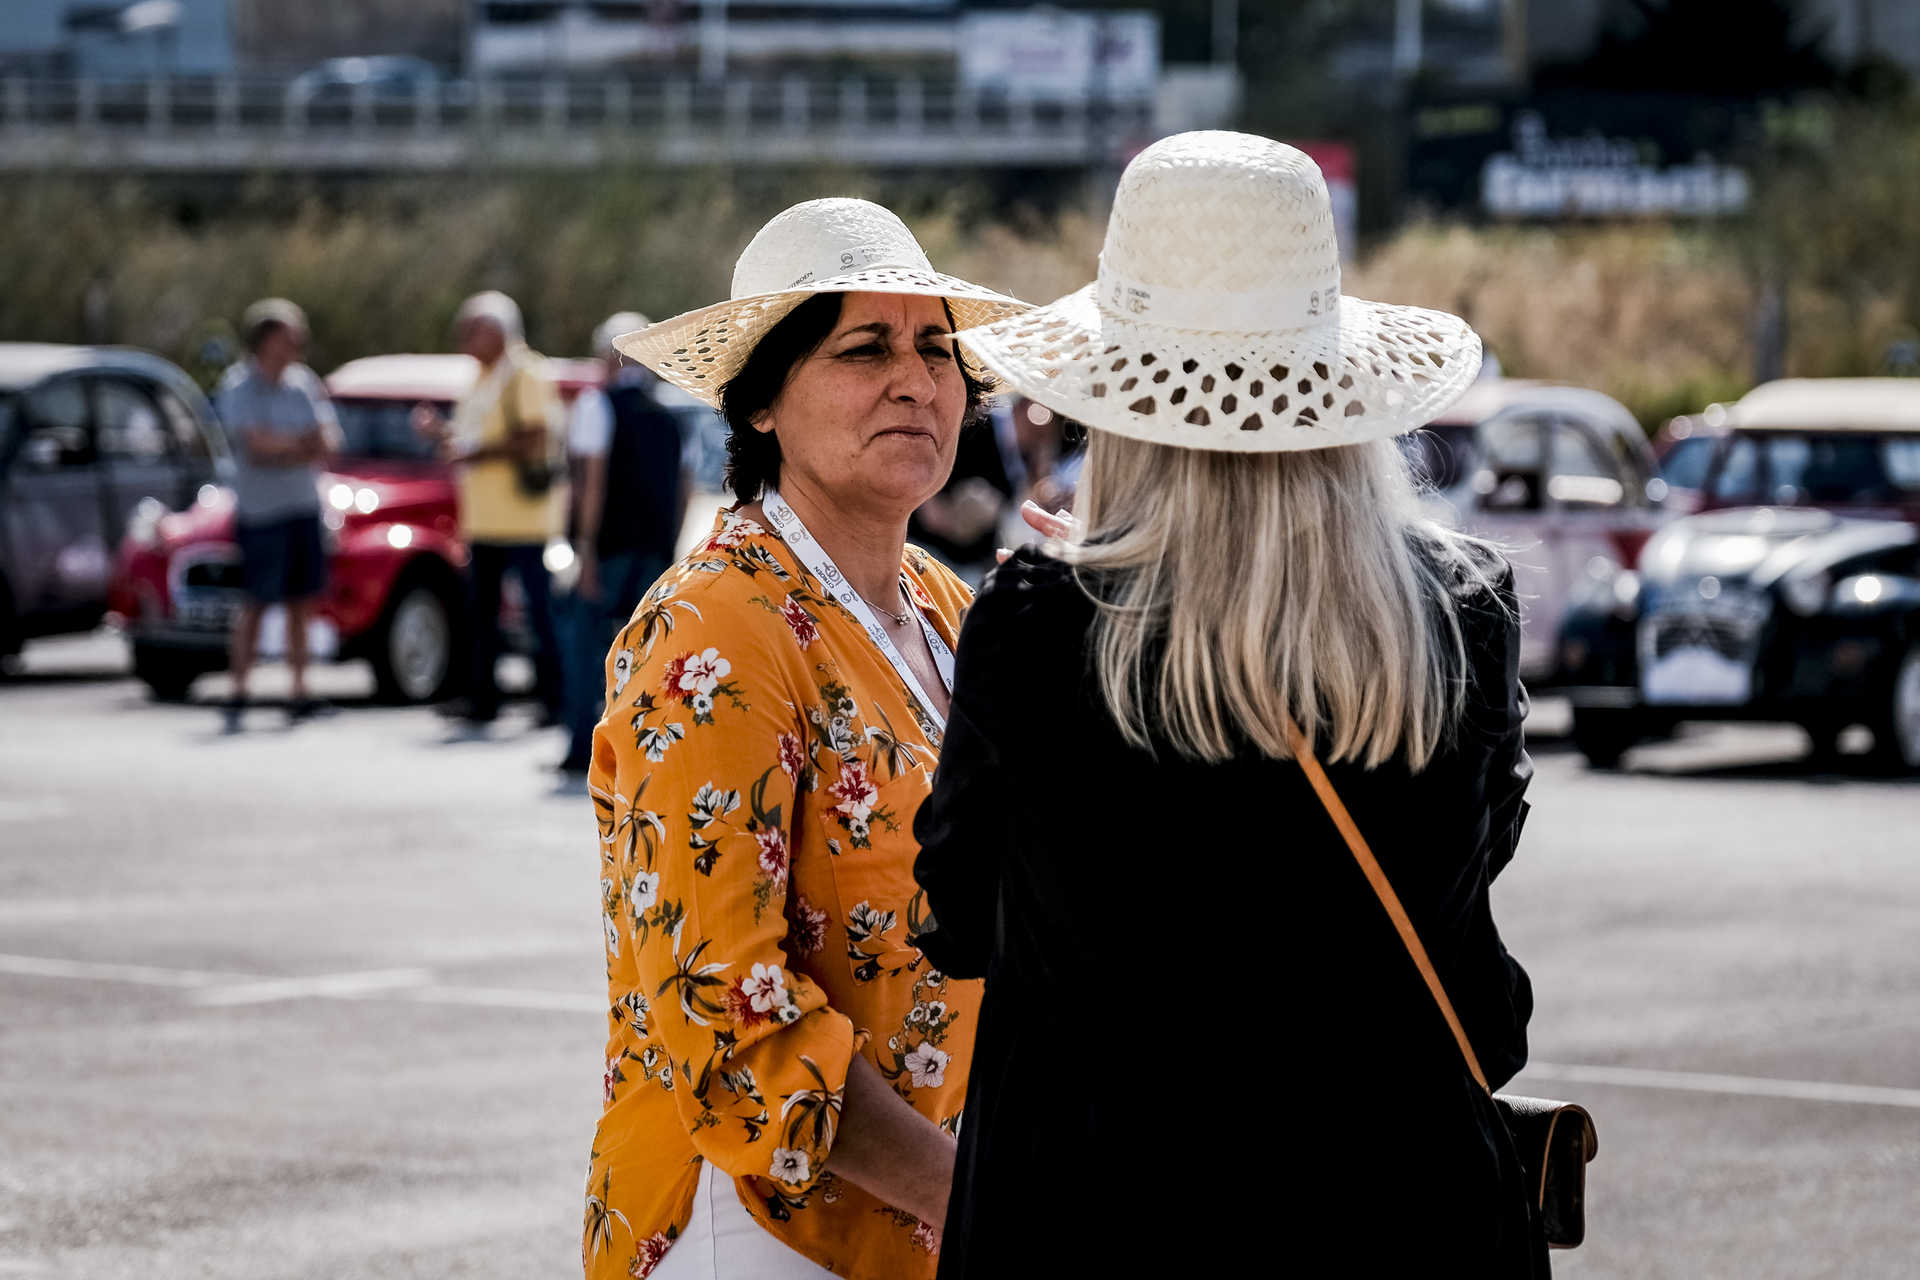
x,y
902,482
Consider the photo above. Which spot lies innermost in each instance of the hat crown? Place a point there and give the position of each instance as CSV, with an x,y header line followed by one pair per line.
x,y
1223,225
820,239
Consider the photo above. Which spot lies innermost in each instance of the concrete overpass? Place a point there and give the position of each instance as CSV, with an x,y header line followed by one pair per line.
x,y
241,125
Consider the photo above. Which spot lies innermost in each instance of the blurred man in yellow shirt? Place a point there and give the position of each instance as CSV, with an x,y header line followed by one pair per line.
x,y
501,441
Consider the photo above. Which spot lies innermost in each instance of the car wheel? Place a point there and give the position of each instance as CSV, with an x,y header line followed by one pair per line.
x,y
1896,734
413,653
1603,734
166,673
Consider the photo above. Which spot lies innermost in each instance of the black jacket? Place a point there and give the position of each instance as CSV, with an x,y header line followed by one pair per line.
x,y
1204,1049
642,514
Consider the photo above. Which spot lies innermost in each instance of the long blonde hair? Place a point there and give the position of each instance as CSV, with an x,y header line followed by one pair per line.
x,y
1262,585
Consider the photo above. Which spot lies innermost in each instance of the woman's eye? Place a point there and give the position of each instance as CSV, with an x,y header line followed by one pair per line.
x,y
937,353
864,351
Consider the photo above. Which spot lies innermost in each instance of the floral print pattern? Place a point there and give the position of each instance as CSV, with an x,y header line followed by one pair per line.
x,y
753,782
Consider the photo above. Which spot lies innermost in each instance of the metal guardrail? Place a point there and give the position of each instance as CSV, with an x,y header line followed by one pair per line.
x,y
241,124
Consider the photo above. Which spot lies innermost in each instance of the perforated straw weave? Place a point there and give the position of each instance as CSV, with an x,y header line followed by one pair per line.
x,y
1217,321
821,246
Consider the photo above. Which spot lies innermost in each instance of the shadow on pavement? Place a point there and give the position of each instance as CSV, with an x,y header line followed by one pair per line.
x,y
1851,769
29,679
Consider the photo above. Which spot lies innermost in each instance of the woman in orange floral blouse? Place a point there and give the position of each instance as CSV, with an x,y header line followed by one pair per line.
x,y
784,1069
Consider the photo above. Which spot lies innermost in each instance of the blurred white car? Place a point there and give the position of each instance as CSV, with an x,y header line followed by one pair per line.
x,y
1561,477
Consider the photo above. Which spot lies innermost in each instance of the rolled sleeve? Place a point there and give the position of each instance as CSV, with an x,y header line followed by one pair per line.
x,y
691,768
320,406
233,402
590,425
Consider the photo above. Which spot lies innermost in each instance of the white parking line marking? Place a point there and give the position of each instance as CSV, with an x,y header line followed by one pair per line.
x,y
326,985
1743,1086
143,975
218,990
509,998
16,809
222,990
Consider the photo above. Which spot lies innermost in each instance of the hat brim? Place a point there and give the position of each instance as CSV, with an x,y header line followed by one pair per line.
x,y
700,351
1376,370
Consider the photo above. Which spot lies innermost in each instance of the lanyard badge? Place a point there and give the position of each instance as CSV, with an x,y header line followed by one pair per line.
x,y
793,531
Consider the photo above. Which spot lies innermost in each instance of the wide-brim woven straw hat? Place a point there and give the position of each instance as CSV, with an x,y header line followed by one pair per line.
x,y
1217,320
822,246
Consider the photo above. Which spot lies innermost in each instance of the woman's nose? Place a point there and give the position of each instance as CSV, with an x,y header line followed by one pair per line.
x,y
912,380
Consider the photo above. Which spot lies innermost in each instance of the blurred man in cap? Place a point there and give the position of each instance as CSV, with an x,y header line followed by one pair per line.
x,y
625,456
283,429
501,440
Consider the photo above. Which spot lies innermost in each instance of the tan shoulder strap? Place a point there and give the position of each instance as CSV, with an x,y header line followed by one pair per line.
x,y
1303,754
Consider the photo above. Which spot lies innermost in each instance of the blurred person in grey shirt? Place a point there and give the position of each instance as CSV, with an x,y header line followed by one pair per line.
x,y
283,427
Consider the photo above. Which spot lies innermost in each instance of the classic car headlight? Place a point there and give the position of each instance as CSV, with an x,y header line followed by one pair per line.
x,y
1626,592
1873,592
1608,588
1806,593
143,526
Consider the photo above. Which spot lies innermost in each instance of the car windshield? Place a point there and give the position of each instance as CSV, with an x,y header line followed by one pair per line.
x,y
1442,455
1824,469
1685,466
382,429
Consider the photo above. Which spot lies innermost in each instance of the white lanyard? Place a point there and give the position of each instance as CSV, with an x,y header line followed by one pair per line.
x,y
793,531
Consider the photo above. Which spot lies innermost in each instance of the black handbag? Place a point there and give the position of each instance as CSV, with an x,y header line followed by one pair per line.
x,y
1554,1140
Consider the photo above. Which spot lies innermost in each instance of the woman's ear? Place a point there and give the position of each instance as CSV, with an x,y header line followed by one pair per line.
x,y
762,421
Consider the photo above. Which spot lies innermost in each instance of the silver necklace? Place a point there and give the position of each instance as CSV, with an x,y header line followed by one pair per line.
x,y
898,619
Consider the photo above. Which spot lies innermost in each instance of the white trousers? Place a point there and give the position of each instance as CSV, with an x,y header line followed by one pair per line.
x,y
723,1242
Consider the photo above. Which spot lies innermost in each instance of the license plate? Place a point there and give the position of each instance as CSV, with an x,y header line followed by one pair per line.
x,y
207,615
1697,676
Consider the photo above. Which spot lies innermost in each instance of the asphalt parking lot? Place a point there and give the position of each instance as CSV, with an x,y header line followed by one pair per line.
x,y
325,1001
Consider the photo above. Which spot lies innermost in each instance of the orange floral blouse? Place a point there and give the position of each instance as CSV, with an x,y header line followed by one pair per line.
x,y
755,778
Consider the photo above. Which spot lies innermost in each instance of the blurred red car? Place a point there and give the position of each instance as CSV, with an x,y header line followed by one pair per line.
x,y
394,595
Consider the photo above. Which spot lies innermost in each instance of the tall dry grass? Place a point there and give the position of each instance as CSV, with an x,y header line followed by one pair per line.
x,y
1661,317
1658,317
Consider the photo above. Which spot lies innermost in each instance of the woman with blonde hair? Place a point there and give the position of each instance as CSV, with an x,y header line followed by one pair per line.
x,y
1205,1048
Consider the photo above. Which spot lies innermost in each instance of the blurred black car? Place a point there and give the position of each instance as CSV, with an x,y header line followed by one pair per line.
x,y
95,443
1793,596
384,77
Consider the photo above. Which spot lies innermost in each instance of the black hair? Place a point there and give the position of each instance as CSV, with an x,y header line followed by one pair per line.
x,y
753,457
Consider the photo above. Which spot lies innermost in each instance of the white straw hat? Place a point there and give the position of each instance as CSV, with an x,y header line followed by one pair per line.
x,y
821,246
1218,322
